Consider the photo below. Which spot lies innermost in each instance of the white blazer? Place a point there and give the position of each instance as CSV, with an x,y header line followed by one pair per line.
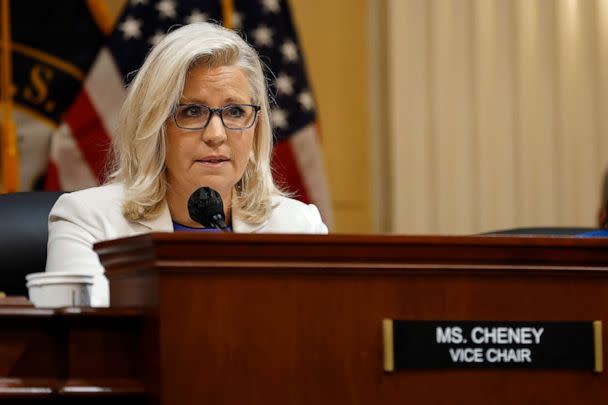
x,y
82,218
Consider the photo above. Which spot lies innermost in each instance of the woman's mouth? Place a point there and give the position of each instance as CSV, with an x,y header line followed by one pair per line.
x,y
213,161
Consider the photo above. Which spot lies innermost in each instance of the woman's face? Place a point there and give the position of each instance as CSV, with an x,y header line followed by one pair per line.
x,y
215,156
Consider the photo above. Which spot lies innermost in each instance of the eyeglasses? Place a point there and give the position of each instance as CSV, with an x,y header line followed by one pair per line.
x,y
198,116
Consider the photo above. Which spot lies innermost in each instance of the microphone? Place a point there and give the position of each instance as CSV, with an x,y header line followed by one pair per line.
x,y
205,207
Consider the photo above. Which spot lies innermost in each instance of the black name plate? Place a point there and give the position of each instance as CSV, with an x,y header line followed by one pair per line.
x,y
492,344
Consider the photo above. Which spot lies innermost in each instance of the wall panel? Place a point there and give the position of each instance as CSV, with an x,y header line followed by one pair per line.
x,y
453,100
576,121
536,105
500,108
334,38
494,114
410,107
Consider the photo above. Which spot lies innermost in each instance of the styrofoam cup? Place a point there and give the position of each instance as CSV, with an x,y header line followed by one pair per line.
x,y
53,290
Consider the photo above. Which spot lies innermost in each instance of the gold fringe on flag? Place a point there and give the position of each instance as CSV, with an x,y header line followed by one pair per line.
x,y
101,14
8,131
228,13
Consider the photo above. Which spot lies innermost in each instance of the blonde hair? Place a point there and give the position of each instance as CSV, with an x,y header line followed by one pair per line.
x,y
139,147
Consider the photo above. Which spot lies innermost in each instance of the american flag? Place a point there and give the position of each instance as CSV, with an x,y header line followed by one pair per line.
x,y
84,126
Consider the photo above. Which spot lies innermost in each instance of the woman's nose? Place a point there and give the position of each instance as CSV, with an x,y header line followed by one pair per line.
x,y
214,133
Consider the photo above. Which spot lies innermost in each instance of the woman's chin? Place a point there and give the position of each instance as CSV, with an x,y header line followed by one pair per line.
x,y
188,184
217,183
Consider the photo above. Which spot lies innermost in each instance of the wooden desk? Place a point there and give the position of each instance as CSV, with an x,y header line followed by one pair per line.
x,y
71,355
280,319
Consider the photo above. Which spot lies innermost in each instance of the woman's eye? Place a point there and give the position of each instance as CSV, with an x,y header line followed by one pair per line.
x,y
235,111
192,111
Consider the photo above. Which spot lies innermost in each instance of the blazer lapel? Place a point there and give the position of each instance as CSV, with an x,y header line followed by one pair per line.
x,y
160,223
239,226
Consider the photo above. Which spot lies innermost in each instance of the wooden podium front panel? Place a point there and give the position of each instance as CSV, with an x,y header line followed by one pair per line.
x,y
71,355
303,324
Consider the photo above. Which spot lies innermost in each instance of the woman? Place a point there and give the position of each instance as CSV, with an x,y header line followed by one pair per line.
x,y
196,114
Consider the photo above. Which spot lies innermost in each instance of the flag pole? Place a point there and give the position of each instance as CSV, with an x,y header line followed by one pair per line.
x,y
227,13
8,131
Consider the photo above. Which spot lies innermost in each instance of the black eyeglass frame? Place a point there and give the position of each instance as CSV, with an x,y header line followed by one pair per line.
x,y
219,112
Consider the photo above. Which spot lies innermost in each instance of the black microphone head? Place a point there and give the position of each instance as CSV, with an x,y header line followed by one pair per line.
x,y
205,207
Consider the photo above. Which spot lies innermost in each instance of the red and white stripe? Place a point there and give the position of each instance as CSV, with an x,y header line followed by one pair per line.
x,y
298,164
79,147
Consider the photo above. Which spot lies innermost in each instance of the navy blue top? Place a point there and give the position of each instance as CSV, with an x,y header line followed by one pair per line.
x,y
600,233
180,227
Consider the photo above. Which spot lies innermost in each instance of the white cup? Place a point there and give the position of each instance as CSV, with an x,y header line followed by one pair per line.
x,y
60,289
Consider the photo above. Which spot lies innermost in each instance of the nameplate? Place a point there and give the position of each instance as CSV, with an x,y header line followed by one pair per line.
x,y
492,344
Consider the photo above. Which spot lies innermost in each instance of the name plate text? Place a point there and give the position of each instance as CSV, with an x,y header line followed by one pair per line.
x,y
492,344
